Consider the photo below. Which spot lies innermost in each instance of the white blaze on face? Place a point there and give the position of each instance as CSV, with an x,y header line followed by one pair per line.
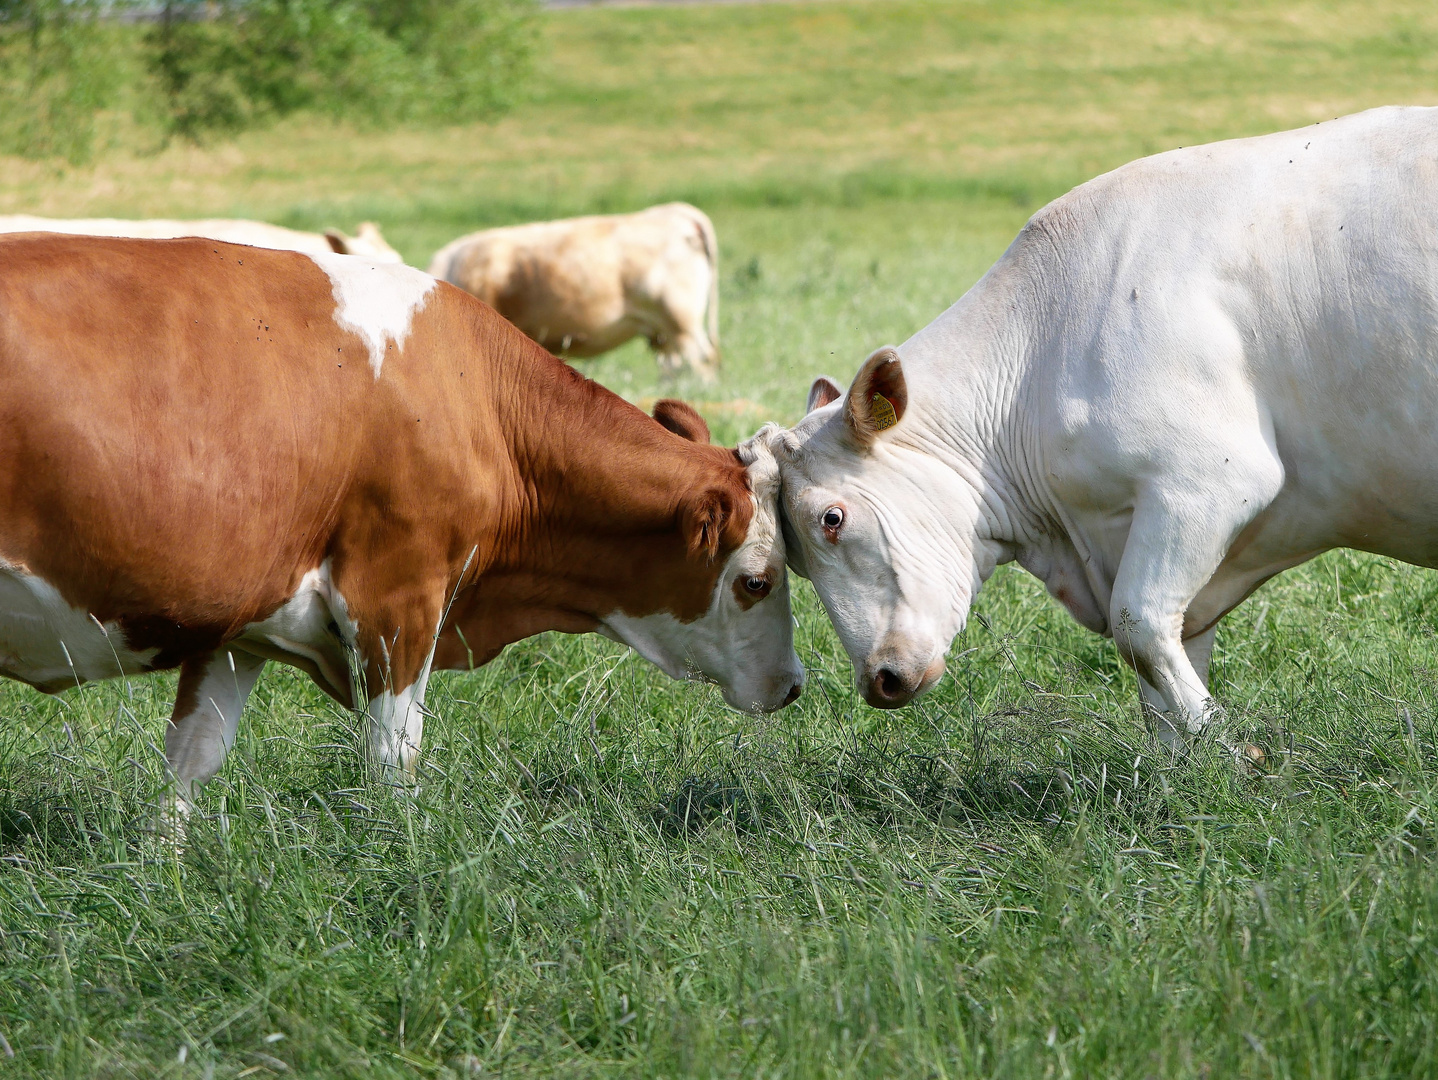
x,y
745,641
377,302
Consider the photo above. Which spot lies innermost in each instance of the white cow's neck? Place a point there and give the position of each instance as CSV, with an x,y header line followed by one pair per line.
x,y
966,377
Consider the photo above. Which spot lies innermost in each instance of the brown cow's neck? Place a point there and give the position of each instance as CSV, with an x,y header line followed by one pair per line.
x,y
599,493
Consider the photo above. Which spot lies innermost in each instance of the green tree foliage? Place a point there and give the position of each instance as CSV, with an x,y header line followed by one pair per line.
x,y
212,67
227,65
56,74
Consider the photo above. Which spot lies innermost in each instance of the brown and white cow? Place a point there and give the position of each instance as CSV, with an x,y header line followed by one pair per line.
x,y
212,456
583,286
367,242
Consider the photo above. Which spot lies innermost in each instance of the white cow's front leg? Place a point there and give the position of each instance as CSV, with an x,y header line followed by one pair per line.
x,y
211,696
1199,650
1177,540
396,725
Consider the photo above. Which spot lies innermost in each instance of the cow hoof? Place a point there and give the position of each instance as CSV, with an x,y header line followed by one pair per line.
x,y
171,823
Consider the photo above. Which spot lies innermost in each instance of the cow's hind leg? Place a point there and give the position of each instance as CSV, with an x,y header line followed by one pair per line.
x,y
212,693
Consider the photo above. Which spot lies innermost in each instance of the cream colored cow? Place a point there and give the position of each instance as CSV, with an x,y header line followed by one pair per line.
x,y
1181,379
583,286
368,243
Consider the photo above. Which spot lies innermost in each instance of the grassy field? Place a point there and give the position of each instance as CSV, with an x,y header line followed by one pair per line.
x,y
603,873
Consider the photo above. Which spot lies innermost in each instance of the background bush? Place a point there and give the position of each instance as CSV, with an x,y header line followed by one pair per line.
x,y
202,68
226,66
56,75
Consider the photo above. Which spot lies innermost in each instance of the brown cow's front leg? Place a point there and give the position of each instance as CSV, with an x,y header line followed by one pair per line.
x,y
397,666
212,693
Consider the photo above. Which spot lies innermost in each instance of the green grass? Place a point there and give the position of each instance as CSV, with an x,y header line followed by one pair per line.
x,y
604,873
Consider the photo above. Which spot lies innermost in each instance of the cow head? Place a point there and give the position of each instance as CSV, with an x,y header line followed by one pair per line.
x,y
744,641
870,515
367,243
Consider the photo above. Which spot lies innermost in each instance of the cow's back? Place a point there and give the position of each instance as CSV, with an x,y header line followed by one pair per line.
x,y
1285,285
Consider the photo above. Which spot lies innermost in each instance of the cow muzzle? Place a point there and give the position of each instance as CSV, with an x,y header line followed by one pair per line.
x,y
777,693
892,685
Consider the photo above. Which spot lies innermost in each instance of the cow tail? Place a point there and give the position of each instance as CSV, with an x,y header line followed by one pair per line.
x,y
711,248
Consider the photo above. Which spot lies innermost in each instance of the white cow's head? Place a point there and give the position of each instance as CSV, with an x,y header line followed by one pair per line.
x,y
871,510
744,642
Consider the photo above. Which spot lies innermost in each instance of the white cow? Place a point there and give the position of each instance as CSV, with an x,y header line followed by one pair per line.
x,y
367,243
1181,379
583,286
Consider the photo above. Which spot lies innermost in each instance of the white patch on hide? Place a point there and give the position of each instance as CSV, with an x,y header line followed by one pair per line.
x,y
50,645
302,626
377,302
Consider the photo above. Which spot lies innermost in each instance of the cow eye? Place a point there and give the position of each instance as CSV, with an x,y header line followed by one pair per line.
x,y
833,517
757,585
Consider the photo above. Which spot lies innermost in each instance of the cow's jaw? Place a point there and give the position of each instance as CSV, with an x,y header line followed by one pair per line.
x,y
898,577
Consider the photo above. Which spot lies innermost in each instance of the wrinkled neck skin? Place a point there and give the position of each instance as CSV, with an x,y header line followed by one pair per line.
x,y
958,443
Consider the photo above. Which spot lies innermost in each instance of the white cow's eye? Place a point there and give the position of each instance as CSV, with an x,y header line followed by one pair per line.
x,y
833,517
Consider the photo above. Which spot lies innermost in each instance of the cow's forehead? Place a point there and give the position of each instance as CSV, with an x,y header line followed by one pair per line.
x,y
814,451
762,468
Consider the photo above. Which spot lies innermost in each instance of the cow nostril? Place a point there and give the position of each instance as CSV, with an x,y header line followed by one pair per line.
x,y
793,694
889,684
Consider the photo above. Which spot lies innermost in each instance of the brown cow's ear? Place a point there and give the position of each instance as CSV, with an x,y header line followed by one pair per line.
x,y
704,517
338,240
824,391
878,396
681,419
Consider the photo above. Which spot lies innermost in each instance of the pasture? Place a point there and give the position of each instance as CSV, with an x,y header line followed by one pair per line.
x,y
604,873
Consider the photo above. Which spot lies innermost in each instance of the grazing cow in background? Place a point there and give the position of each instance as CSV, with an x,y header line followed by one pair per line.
x,y
215,456
367,243
1181,379
583,286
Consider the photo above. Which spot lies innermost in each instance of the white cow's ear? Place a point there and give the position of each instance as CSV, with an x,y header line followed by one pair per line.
x,y
338,241
824,391
878,396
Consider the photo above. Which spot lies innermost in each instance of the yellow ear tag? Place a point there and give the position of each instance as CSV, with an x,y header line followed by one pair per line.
x,y
881,412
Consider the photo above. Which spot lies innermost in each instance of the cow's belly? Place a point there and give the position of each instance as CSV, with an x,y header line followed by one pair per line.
x,y
576,314
1362,477
571,333
1394,515
604,338
50,645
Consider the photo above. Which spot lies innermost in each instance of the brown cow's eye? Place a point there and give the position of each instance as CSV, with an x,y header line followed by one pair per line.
x,y
833,517
757,585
